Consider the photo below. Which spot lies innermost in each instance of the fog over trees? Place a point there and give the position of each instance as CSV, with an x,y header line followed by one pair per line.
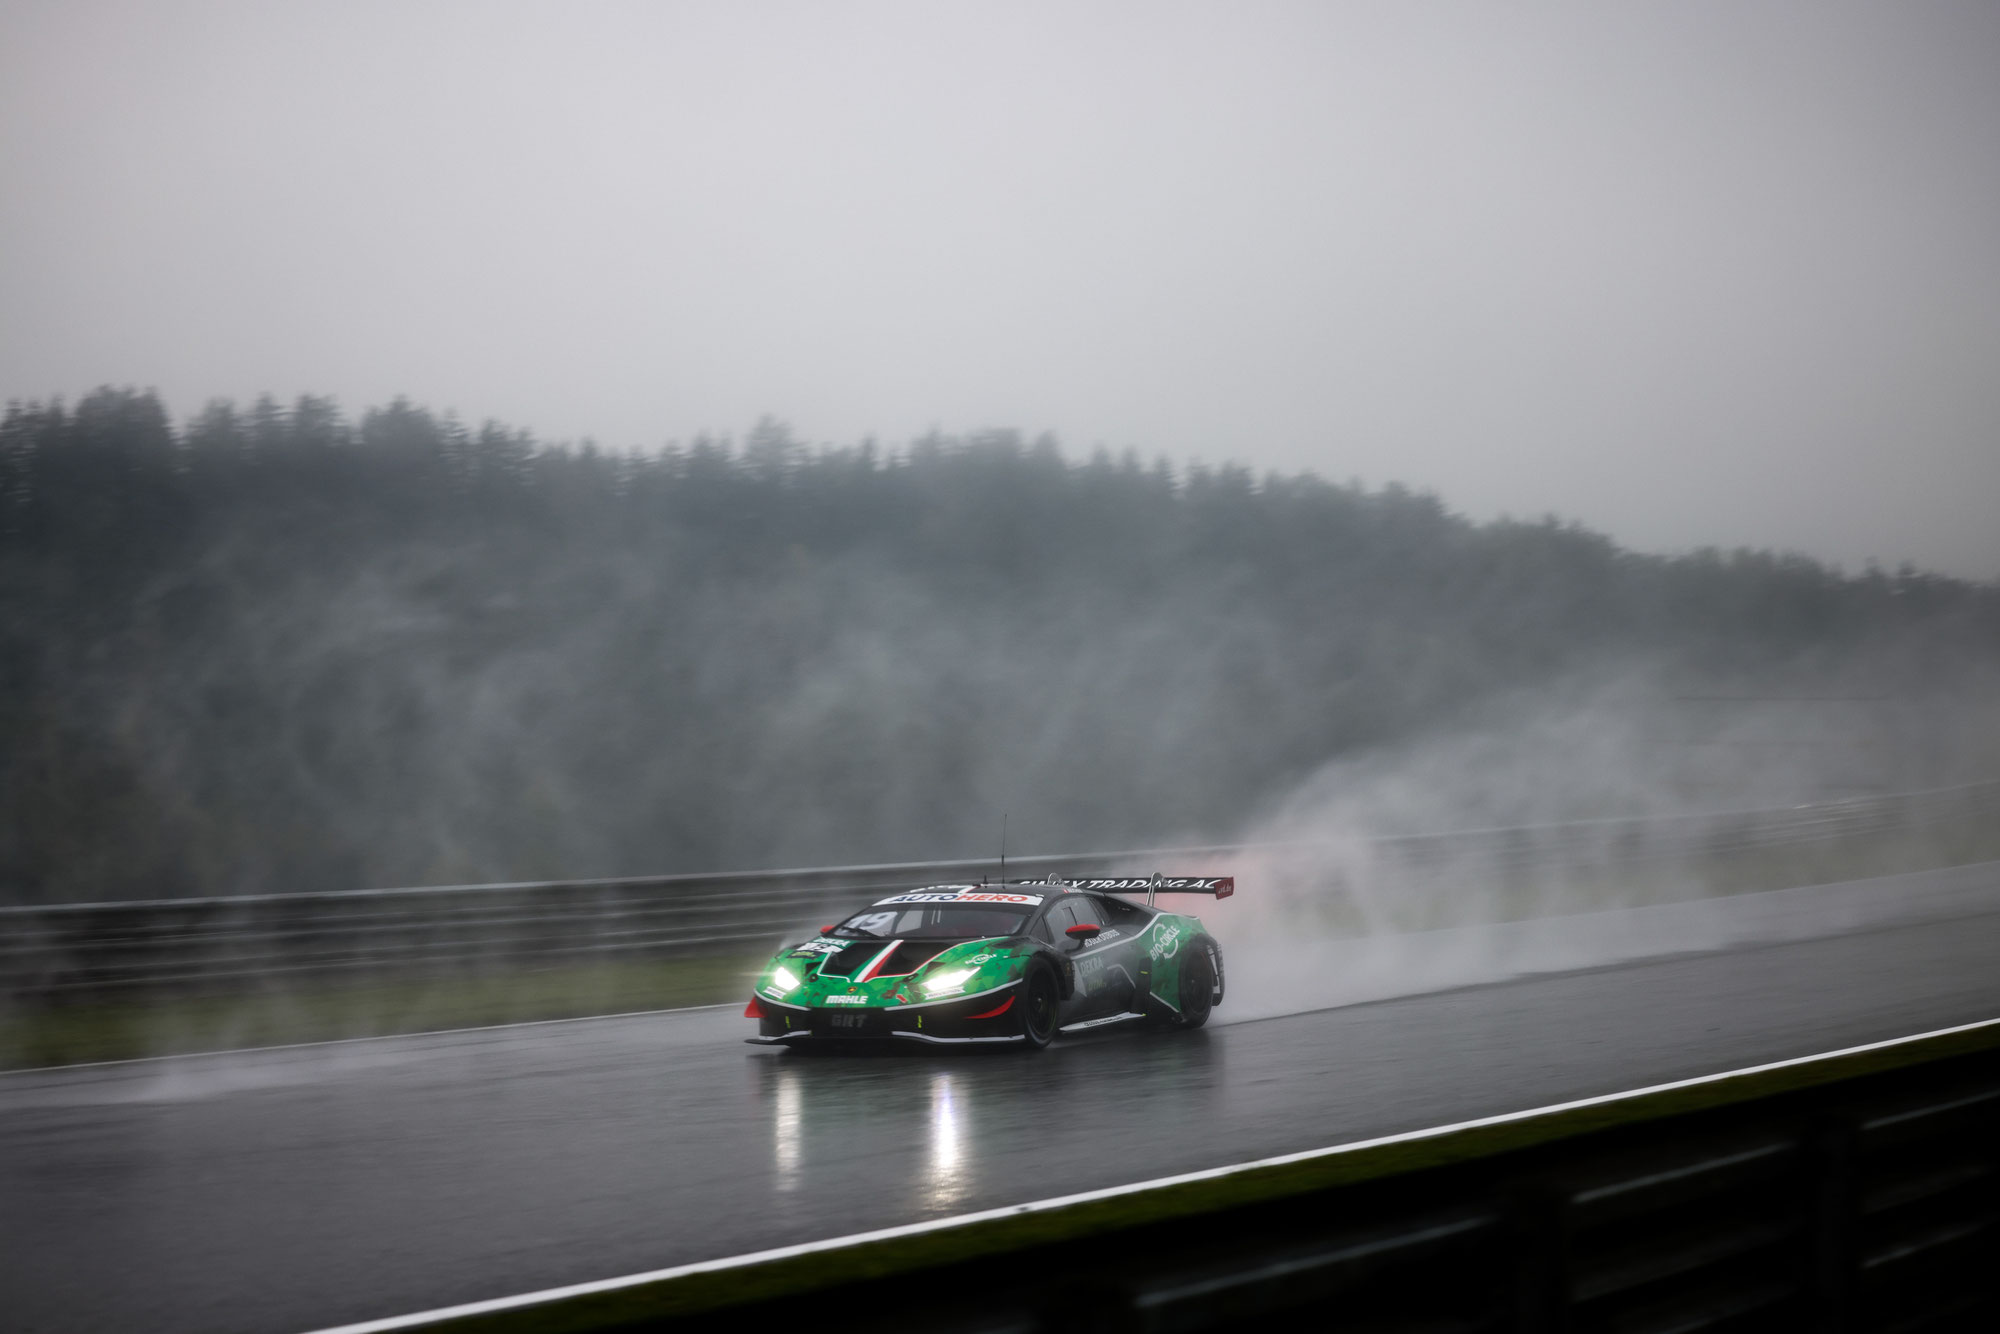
x,y
272,649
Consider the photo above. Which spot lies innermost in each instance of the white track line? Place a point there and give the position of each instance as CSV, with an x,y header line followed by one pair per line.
x,y
498,1304
370,1037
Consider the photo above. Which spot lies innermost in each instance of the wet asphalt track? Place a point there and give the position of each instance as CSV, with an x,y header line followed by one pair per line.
x,y
295,1189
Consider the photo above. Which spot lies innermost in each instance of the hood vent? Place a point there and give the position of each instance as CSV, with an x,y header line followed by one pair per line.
x,y
909,956
912,955
849,961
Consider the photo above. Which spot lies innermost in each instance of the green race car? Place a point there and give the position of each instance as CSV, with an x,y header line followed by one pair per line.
x,y
1012,962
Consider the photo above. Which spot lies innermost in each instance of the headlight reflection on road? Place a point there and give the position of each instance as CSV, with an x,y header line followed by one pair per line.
x,y
947,1184
786,1129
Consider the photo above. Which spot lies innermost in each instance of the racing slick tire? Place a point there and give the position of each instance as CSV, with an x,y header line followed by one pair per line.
x,y
1197,990
1039,1003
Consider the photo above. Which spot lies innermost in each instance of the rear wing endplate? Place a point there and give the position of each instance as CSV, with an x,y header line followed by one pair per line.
x,y
1222,886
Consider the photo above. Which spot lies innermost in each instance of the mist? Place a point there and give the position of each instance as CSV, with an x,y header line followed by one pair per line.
x,y
1610,816
272,649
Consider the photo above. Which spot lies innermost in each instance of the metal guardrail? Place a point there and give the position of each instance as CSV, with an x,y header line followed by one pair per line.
x,y
58,949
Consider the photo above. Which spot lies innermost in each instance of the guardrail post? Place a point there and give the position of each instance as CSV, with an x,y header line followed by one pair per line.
x,y
1835,1208
1539,1239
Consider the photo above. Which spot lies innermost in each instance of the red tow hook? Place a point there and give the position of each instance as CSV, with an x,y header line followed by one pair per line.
x,y
755,1011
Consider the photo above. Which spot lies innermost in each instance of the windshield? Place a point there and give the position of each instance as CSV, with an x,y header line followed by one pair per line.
x,y
935,921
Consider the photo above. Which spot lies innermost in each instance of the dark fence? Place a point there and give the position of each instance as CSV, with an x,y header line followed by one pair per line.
x,y
184,944
1872,1205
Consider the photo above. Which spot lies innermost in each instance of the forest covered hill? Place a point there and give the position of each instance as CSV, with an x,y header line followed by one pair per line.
x,y
272,649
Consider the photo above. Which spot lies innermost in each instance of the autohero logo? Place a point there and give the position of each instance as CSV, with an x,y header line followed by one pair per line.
x,y
962,896
1166,941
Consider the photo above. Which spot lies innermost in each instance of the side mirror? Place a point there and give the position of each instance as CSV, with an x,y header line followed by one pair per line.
x,y
1083,931
827,930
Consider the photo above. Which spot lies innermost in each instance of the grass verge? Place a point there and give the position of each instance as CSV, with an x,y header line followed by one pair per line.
x,y
60,1033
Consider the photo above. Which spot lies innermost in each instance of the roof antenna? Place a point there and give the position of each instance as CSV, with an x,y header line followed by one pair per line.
x,y
1003,847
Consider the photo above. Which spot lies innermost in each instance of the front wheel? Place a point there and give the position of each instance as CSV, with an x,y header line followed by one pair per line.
x,y
1038,1008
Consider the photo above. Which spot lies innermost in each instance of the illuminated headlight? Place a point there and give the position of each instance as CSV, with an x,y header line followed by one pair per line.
x,y
954,980
783,977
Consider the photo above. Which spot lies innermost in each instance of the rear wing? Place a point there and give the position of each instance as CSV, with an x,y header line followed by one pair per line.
x,y
1222,886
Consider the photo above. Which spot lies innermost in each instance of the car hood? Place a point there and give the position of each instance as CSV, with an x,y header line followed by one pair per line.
x,y
834,973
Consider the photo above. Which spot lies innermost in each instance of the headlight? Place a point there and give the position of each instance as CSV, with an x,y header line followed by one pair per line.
x,y
954,980
783,977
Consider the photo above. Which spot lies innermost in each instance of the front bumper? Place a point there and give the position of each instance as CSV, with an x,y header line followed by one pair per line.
x,y
803,1039
987,1019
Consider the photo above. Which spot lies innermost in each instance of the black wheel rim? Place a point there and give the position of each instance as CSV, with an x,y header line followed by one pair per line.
x,y
1198,987
1041,1007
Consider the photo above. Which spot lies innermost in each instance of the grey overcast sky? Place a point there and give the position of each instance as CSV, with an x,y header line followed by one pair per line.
x,y
1692,273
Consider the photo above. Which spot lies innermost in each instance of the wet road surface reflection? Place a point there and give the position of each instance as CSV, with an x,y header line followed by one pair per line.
x,y
946,1183
939,1134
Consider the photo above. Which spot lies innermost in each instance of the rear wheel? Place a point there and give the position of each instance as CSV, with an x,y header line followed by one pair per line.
x,y
1197,992
1038,1007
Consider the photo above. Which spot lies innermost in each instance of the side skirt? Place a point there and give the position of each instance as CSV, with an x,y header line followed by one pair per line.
x,y
1124,1018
